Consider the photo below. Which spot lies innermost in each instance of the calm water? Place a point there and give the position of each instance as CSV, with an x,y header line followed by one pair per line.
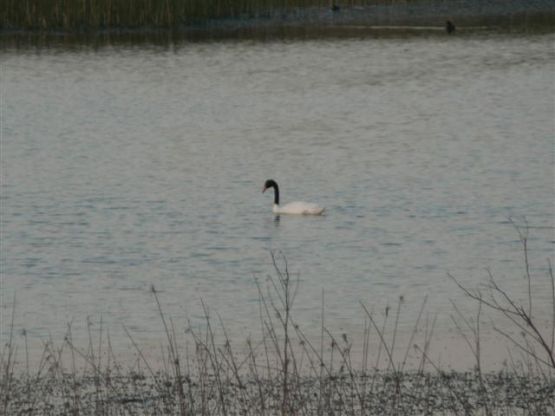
x,y
133,166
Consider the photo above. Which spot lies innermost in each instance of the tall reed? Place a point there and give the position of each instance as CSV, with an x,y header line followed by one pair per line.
x,y
104,14
92,15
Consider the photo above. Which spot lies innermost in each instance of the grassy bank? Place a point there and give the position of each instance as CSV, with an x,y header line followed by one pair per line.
x,y
91,14
81,16
202,370
103,14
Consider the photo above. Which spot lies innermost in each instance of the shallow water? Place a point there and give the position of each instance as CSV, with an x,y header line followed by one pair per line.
x,y
128,167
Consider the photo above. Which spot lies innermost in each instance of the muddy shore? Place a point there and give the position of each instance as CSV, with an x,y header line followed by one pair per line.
x,y
390,393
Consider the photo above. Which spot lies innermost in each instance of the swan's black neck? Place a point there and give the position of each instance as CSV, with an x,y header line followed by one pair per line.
x,y
276,193
272,184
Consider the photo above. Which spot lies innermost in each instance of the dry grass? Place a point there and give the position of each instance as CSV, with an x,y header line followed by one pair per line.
x,y
284,372
93,16
102,14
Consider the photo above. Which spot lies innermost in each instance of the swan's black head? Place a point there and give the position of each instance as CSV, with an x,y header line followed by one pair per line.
x,y
270,183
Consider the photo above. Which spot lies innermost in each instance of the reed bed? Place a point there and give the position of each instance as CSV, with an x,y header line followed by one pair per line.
x,y
93,16
285,372
105,14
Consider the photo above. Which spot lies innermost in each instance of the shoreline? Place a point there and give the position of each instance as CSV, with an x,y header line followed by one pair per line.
x,y
164,38
374,393
426,17
284,370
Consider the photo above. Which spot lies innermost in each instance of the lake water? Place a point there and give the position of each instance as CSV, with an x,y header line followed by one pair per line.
x,y
131,166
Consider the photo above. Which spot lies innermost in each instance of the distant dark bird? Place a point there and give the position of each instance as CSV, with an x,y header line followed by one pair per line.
x,y
449,27
334,7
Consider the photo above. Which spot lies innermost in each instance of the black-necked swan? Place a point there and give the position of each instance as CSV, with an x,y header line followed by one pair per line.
x,y
300,208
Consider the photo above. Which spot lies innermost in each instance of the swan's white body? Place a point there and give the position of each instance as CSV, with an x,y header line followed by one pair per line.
x,y
299,208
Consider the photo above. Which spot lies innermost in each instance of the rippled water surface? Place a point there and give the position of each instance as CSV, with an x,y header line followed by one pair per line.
x,y
132,166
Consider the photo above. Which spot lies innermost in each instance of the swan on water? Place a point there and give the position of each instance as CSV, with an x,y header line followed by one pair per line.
x,y
301,208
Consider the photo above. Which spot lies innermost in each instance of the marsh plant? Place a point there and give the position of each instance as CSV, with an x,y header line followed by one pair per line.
x,y
286,372
102,14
